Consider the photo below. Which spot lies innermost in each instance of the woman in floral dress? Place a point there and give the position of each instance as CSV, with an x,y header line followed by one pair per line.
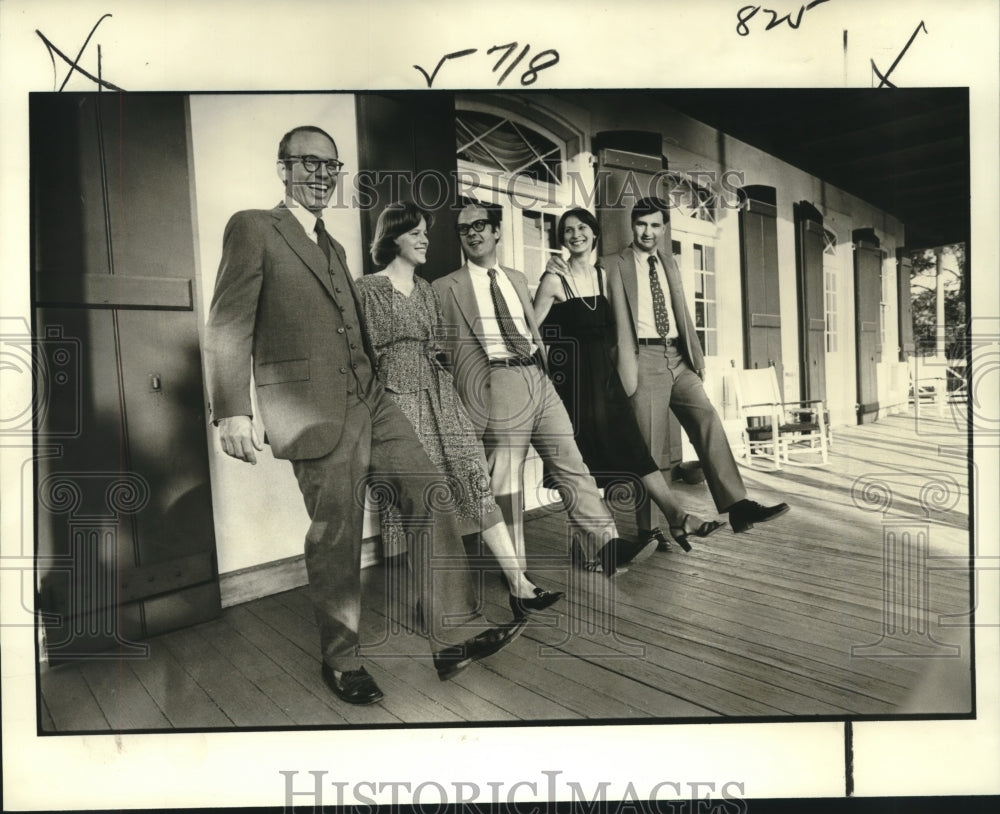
x,y
403,319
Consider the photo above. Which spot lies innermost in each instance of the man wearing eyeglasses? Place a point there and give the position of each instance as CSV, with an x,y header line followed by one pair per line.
x,y
285,306
493,348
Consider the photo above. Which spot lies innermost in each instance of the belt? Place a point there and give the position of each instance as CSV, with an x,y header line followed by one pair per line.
x,y
659,340
518,361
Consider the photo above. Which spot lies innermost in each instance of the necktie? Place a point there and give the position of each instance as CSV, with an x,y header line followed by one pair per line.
x,y
660,314
322,238
512,337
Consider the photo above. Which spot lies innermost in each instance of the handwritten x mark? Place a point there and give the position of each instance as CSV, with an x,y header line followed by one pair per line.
x,y
885,79
74,64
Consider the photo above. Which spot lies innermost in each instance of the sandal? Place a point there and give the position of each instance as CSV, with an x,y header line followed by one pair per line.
x,y
681,534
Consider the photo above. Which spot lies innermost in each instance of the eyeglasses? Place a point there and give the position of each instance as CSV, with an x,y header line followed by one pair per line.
x,y
311,163
476,226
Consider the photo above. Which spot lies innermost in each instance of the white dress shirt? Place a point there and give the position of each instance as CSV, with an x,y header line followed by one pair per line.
x,y
646,329
306,218
488,324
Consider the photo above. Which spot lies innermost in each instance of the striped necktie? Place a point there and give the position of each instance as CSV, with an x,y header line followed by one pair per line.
x,y
512,337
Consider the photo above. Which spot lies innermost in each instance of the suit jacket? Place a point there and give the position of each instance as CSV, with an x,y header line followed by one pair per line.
x,y
622,266
463,342
275,311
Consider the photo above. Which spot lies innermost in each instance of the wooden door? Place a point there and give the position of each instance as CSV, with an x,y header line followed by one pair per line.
x,y
811,301
867,307
125,534
759,274
904,310
624,176
407,151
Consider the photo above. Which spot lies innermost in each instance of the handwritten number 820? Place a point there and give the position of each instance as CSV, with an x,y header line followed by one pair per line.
x,y
745,14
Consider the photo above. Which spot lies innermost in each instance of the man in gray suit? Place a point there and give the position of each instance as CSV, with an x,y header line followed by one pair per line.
x,y
286,309
498,361
661,365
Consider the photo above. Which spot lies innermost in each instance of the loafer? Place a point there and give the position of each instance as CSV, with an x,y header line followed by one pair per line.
x,y
352,686
521,606
452,660
743,514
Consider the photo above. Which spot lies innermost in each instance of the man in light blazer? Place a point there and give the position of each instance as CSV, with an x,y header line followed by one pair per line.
x,y
661,364
286,308
498,361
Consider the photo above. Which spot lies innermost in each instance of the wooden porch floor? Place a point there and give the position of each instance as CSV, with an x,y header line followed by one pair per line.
x,y
762,624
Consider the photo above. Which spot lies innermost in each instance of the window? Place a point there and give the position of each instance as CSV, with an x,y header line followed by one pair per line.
x,y
515,167
830,289
705,321
538,230
502,144
691,199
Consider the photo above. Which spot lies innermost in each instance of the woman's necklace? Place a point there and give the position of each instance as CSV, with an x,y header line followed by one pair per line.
x,y
575,288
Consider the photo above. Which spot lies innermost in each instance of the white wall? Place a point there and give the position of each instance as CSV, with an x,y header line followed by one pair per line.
x,y
259,514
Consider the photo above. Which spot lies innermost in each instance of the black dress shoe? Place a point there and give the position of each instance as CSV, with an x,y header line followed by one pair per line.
x,y
452,660
689,471
743,514
619,552
662,543
352,686
520,606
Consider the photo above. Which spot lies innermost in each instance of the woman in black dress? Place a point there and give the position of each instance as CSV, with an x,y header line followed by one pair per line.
x,y
573,307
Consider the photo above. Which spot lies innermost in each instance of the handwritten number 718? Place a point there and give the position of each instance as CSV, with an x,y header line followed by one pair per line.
x,y
539,62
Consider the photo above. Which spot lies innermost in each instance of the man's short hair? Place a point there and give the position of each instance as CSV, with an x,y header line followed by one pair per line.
x,y
395,220
647,206
305,128
494,213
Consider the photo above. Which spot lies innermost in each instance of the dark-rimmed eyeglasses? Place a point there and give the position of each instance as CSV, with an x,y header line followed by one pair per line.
x,y
311,163
475,226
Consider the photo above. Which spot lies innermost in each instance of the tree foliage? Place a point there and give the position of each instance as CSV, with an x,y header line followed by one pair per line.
x,y
923,293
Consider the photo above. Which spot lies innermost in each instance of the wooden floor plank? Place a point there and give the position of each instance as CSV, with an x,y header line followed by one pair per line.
x,y
184,703
70,701
748,625
304,688
289,625
403,667
123,699
265,673
237,697
45,722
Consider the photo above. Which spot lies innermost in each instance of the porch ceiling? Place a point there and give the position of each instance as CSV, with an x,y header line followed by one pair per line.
x,y
903,150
